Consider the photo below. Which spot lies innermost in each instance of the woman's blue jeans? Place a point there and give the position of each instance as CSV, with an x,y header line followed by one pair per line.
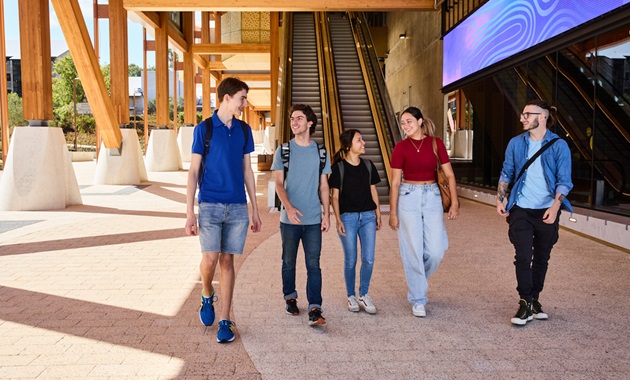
x,y
311,236
422,236
363,226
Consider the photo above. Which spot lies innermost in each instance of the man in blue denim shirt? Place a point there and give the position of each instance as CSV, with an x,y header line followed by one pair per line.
x,y
534,203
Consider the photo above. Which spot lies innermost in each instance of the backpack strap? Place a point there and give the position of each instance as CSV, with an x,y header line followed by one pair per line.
x,y
341,169
368,164
245,129
206,148
285,153
534,157
340,165
322,157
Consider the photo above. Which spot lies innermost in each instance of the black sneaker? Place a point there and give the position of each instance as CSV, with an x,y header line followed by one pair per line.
x,y
524,313
537,310
292,308
315,317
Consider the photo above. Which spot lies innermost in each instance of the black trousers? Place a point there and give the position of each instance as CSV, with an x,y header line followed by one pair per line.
x,y
533,240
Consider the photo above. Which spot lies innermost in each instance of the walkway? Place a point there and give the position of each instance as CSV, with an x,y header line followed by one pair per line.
x,y
110,289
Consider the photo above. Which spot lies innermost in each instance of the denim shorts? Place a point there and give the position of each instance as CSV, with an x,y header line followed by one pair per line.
x,y
223,227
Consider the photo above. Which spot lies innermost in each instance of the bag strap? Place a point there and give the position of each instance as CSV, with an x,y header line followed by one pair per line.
x,y
535,156
206,148
439,164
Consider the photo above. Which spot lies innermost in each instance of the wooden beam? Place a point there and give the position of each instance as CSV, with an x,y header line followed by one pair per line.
x,y
119,67
149,19
78,40
161,72
188,65
205,72
249,77
176,37
4,107
207,48
274,59
279,5
35,60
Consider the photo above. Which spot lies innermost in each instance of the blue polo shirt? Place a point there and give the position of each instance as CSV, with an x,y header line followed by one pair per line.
x,y
223,180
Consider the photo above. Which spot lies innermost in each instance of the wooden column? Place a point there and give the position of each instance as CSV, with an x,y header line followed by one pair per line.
x,y
190,93
175,116
78,40
205,73
161,71
4,106
36,64
145,89
218,76
274,65
119,62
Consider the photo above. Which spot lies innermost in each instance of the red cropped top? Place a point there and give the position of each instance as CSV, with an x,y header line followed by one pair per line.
x,y
418,165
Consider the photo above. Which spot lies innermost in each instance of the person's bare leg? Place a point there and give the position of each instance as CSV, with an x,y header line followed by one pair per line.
x,y
226,281
207,268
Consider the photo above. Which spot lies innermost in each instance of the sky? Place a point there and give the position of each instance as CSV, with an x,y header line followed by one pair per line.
x,y
58,44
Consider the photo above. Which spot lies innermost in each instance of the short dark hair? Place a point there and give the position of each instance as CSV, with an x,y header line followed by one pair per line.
x,y
308,112
544,105
230,86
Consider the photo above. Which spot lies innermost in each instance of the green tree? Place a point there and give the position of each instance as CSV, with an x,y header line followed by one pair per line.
x,y
64,73
135,70
16,116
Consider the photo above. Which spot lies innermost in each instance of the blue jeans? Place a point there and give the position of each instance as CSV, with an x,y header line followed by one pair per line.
x,y
422,236
363,226
311,236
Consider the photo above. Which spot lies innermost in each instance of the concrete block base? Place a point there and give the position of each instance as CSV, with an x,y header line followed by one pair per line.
x,y
184,142
127,168
38,174
162,152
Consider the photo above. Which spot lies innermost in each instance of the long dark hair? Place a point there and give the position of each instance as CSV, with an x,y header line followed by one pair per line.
x,y
544,105
345,138
427,124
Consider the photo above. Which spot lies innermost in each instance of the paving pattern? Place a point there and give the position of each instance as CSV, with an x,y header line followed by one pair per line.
x,y
110,290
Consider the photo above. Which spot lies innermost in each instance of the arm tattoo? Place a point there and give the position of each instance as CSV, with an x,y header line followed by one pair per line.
x,y
502,190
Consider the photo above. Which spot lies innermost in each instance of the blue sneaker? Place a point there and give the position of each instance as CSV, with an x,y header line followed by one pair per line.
x,y
226,331
206,310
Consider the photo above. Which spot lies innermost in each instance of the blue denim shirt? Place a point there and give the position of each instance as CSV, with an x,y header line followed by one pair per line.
x,y
556,163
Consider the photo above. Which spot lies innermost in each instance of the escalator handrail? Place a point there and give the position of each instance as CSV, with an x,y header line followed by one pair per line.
x,y
395,131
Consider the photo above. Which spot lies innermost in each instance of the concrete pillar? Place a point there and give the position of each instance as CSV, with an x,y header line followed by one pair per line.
x,y
124,169
184,142
162,152
38,174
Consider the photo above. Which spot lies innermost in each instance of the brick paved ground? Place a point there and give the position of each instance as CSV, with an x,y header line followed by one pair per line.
x,y
110,290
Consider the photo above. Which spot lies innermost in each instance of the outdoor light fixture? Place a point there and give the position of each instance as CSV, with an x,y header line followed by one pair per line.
x,y
403,36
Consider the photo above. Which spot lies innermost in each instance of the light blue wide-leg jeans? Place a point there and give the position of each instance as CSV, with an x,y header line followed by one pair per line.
x,y
421,235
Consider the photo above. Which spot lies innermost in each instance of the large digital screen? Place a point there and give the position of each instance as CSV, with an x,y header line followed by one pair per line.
x,y
502,28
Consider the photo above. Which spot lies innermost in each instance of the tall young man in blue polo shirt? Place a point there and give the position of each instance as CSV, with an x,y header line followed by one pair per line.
x,y
534,203
223,215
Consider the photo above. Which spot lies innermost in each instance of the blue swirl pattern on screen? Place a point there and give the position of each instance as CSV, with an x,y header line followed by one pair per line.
x,y
502,28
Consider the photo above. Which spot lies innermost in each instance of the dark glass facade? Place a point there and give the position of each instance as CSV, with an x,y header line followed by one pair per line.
x,y
589,82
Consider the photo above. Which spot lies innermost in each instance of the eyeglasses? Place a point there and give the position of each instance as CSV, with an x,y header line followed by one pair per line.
x,y
527,114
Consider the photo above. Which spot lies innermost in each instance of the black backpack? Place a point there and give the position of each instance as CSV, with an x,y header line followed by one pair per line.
x,y
206,144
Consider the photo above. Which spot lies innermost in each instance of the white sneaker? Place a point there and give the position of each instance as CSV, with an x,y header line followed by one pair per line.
x,y
418,310
367,304
353,305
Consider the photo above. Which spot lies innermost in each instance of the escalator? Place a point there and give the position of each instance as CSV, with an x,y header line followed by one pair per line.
x,y
356,112
328,69
305,84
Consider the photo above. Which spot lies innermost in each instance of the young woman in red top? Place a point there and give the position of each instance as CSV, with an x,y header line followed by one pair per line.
x,y
416,206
